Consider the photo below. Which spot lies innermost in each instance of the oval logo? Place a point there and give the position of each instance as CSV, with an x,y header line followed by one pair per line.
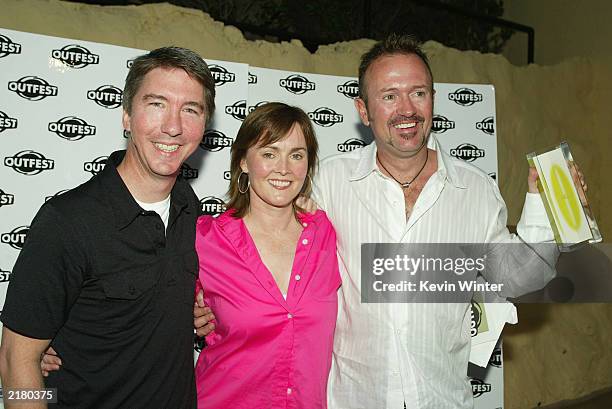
x,y
297,84
212,206
16,238
214,141
107,96
75,56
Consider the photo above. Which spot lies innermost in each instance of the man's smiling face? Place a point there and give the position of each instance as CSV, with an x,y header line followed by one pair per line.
x,y
399,104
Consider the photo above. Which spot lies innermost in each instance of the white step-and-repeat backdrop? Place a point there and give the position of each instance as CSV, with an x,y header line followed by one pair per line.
x,y
60,117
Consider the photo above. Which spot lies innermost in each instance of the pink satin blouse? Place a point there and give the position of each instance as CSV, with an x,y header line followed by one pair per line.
x,y
266,352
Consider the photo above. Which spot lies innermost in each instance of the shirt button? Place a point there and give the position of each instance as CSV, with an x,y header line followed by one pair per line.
x,y
289,391
398,331
289,315
298,277
305,241
158,226
305,224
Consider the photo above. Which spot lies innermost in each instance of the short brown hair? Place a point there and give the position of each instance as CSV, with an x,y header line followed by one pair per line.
x,y
268,124
393,44
170,57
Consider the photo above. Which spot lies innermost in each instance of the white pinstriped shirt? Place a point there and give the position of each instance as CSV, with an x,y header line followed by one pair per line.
x,y
388,354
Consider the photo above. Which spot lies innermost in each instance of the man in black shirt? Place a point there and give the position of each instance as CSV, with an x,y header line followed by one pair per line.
x,y
107,274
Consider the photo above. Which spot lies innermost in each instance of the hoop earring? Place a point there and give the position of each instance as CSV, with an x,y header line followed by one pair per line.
x,y
248,182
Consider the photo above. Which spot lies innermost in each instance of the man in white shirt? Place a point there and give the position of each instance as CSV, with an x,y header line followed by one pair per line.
x,y
403,189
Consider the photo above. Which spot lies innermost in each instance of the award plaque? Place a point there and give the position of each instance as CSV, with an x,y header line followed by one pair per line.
x,y
566,203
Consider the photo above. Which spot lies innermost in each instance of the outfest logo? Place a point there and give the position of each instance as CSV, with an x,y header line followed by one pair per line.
x,y
349,89
496,358
8,47
467,152
71,128
29,162
465,97
107,96
221,75
441,124
6,122
15,238
350,145
237,110
487,125
212,206
95,166
479,387
476,315
75,56
325,117
5,276
215,140
297,84
32,88
187,172
6,199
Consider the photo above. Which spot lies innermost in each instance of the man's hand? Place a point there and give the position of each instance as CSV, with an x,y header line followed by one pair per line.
x,y
577,176
532,180
50,362
202,315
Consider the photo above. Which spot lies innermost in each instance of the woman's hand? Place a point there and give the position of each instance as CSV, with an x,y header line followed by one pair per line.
x,y
49,362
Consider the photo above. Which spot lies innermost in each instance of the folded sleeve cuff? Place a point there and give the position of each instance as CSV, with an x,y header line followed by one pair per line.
x,y
534,212
534,226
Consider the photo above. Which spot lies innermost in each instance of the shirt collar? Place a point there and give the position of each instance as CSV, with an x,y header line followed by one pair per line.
x,y
121,200
227,219
446,168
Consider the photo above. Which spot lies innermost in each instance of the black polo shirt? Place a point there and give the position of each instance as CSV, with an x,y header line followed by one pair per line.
x,y
99,277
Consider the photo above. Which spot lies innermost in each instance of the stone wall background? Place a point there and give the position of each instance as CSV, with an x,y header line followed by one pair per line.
x,y
563,29
557,352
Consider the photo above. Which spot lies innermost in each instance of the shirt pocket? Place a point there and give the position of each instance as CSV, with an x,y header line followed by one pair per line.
x,y
129,298
129,285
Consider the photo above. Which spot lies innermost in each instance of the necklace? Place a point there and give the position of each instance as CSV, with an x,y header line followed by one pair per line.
x,y
405,185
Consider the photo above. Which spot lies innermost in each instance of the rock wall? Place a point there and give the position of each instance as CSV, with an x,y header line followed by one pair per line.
x,y
563,29
557,352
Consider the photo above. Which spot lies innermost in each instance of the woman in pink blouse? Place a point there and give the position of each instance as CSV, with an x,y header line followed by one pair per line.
x,y
269,272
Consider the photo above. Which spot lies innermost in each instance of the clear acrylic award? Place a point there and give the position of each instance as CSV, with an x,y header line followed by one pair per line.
x,y
566,203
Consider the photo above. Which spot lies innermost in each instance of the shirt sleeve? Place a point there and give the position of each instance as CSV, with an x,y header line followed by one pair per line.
x,y
522,263
534,226
331,246
46,279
